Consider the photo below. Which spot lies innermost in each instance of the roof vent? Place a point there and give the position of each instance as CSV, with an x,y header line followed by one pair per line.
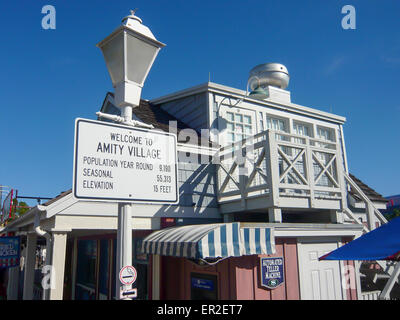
x,y
267,74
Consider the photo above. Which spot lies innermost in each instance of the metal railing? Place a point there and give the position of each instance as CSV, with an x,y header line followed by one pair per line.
x,y
371,295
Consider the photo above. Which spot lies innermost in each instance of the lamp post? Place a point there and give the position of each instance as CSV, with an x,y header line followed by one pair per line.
x,y
129,53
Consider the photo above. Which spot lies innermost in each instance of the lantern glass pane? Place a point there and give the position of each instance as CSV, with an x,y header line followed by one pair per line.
x,y
113,52
140,57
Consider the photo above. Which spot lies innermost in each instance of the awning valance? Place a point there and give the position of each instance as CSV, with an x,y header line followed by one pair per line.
x,y
210,241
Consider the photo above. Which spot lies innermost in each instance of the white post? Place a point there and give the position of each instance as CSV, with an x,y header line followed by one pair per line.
x,y
13,280
156,277
74,266
357,265
336,216
370,216
58,264
47,263
124,233
29,266
275,215
271,153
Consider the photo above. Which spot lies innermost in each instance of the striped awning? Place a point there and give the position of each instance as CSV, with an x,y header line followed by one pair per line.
x,y
211,241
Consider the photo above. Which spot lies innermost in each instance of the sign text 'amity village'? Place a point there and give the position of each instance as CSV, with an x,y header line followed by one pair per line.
x,y
116,162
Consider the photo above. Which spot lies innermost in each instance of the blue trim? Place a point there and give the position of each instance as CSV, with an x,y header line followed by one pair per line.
x,y
257,240
211,246
246,233
268,240
174,251
168,245
235,240
181,249
224,249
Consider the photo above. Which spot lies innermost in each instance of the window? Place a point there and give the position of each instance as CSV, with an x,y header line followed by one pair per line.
x,y
140,262
86,270
302,129
276,124
279,125
239,126
104,269
325,134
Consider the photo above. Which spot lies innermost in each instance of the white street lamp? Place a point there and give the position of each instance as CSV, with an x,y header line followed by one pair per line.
x,y
129,53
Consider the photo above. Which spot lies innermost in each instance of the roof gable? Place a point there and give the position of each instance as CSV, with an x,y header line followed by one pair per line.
x,y
154,115
369,192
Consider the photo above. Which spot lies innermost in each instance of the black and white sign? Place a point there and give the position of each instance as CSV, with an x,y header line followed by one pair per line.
x,y
130,293
121,163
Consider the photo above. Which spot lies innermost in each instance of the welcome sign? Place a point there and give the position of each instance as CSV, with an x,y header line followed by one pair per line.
x,y
9,252
272,273
116,162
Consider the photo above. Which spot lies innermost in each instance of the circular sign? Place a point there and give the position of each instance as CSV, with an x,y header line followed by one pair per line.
x,y
127,275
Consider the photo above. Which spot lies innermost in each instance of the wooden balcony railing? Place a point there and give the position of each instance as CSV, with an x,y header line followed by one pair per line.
x,y
286,170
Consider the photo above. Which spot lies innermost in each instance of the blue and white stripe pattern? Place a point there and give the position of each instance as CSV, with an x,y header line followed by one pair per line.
x,y
210,241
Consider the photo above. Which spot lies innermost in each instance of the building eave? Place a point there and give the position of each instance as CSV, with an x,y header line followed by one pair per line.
x,y
238,93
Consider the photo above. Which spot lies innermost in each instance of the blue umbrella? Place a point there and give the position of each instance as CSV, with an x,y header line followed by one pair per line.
x,y
383,243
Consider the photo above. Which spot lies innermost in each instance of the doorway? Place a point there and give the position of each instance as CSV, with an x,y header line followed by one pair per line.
x,y
319,280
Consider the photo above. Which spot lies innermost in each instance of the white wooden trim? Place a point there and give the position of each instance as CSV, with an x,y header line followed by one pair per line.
x,y
58,262
344,149
341,264
237,93
74,266
30,261
344,291
299,264
357,265
156,277
306,235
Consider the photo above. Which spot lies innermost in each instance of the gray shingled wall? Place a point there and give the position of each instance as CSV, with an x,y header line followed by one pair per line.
x,y
197,184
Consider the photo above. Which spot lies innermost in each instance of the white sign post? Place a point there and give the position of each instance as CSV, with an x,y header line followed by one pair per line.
x,y
114,162
129,53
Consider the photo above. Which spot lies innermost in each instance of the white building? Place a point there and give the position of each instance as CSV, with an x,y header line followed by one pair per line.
x,y
295,180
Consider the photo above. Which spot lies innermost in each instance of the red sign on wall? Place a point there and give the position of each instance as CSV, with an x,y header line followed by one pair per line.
x,y
7,207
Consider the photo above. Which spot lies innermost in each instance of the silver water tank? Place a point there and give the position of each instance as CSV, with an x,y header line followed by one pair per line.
x,y
269,74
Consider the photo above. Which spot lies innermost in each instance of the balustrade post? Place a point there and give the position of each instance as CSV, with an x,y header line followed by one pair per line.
x,y
310,171
272,160
340,169
370,215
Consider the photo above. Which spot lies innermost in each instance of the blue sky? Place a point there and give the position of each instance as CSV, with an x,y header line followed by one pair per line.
x,y
51,77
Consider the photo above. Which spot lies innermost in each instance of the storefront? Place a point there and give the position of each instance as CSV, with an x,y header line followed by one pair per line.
x,y
291,271
95,267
